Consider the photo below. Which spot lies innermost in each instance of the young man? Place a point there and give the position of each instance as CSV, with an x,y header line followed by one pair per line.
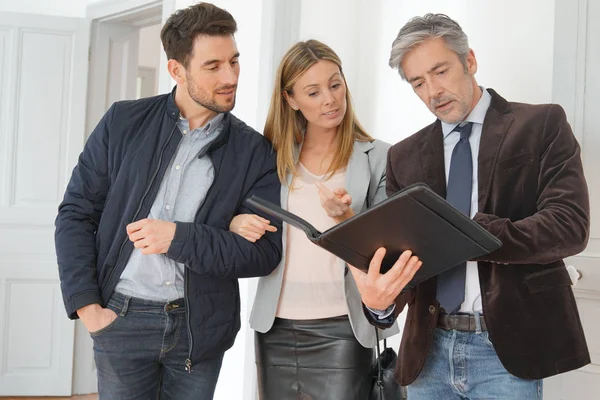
x,y
145,255
495,327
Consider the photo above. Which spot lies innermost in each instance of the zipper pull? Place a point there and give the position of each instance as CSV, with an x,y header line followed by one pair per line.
x,y
188,365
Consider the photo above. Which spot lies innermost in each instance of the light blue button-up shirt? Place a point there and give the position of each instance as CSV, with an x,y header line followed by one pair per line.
x,y
182,191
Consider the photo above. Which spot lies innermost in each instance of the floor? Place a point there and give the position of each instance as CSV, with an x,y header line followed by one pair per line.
x,y
86,397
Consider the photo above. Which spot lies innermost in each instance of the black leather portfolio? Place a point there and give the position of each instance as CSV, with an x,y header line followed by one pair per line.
x,y
414,219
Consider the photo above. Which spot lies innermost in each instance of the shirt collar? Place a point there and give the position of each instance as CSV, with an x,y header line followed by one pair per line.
x,y
477,115
208,128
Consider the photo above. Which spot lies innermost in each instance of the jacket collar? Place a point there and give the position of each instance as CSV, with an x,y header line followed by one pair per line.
x,y
358,175
172,110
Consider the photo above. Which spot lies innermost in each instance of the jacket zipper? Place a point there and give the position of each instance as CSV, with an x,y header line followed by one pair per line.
x,y
188,361
139,208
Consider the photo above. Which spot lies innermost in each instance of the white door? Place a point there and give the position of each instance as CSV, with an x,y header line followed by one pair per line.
x,y
43,79
577,88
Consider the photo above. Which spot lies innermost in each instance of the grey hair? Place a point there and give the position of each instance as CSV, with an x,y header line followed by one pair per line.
x,y
430,26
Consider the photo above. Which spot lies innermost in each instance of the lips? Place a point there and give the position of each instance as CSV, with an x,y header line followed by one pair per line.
x,y
226,90
443,105
331,113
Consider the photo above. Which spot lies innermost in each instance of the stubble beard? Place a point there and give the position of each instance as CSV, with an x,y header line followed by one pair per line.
x,y
463,105
202,98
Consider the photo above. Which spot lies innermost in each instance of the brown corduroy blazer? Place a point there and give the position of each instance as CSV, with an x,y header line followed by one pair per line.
x,y
532,196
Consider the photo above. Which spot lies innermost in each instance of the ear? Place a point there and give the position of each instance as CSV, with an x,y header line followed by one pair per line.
x,y
471,62
290,100
177,71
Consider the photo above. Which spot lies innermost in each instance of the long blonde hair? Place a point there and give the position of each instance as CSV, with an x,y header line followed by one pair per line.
x,y
284,126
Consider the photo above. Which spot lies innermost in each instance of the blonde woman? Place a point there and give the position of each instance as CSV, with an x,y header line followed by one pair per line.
x,y
312,338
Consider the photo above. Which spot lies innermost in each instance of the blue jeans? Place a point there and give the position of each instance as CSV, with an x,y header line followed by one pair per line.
x,y
141,354
464,365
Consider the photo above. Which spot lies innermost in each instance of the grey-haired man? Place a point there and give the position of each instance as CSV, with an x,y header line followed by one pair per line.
x,y
496,326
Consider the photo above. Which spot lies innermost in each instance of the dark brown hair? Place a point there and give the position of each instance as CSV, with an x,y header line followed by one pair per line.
x,y
183,26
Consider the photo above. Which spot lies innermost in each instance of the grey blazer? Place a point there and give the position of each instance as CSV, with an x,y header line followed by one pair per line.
x,y
365,181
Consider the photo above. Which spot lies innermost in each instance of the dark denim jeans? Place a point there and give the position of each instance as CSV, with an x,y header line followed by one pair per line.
x,y
464,365
142,353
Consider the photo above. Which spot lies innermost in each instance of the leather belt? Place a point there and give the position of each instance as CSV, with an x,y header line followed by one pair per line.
x,y
460,322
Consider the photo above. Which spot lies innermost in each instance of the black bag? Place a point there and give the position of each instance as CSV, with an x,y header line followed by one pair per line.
x,y
384,385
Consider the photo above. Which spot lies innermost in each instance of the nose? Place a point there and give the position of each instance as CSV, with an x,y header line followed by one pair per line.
x,y
229,76
328,97
435,90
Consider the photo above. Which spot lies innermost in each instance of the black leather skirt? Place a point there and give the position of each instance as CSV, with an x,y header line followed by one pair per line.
x,y
316,359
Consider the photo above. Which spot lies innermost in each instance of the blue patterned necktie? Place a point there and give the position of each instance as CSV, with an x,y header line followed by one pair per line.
x,y
451,284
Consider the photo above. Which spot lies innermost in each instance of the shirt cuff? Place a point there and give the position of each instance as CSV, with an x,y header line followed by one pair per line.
x,y
382,314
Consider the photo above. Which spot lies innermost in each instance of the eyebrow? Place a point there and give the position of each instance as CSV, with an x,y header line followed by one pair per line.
x,y
208,62
432,69
315,84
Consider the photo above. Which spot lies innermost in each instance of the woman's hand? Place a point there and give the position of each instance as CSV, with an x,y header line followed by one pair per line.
x,y
250,226
336,203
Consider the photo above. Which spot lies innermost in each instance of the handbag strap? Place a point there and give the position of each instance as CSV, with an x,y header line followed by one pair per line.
x,y
379,368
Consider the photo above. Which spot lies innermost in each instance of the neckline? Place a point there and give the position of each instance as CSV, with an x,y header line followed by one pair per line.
x,y
310,173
